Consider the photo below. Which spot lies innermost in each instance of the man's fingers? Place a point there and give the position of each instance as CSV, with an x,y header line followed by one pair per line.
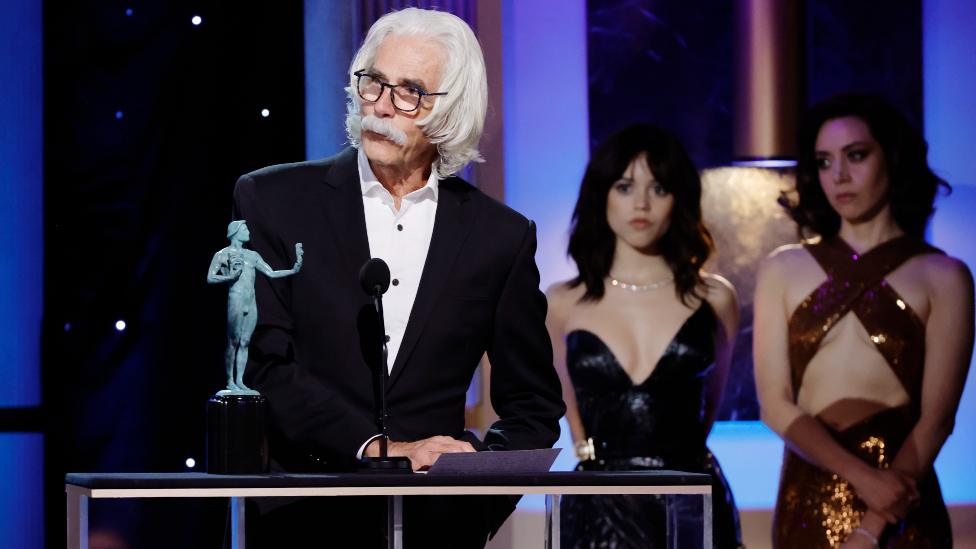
x,y
422,459
423,453
448,445
456,446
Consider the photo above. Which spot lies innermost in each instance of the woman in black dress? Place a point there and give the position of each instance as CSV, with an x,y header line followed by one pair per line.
x,y
642,338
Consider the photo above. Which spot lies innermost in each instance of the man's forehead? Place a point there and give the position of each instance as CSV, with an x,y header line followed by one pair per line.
x,y
408,59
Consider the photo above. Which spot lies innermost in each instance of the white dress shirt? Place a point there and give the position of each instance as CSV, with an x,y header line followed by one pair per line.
x,y
401,239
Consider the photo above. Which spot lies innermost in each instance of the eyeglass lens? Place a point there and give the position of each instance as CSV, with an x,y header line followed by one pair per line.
x,y
405,98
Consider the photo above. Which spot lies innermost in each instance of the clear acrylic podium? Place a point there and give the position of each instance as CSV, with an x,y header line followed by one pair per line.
x,y
80,488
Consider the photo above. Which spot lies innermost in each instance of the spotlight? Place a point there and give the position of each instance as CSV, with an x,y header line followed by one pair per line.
x,y
128,12
265,113
119,115
191,463
196,20
119,325
67,326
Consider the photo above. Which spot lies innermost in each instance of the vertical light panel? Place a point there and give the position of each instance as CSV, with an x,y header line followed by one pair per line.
x,y
546,120
21,274
949,84
21,502
21,207
330,42
950,128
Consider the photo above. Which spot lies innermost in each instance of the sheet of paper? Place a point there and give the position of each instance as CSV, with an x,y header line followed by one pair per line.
x,y
514,461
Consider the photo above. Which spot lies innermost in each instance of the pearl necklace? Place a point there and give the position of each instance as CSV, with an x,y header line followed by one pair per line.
x,y
641,287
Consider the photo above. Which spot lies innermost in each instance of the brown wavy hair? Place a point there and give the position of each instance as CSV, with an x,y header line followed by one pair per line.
x,y
912,186
685,245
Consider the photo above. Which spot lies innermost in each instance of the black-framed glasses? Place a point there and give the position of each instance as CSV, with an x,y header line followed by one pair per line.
x,y
405,98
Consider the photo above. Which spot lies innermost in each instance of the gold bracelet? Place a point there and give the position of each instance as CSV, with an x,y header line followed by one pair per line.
x,y
864,533
585,450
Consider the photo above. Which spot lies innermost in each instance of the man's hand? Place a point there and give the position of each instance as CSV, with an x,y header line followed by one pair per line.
x,y
422,453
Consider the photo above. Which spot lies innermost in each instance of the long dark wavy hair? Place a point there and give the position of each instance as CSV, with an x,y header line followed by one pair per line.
x,y
912,185
686,244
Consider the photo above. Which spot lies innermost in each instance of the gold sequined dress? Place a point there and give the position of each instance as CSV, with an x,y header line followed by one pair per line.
x,y
816,508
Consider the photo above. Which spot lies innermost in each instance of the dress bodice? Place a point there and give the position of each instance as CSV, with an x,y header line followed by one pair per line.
x,y
856,284
660,419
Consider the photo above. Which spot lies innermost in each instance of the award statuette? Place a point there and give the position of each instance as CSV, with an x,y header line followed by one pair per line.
x,y
237,432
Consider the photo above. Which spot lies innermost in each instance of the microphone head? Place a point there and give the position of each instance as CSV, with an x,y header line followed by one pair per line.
x,y
374,276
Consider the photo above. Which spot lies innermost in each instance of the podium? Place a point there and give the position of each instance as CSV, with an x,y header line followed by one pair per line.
x,y
82,487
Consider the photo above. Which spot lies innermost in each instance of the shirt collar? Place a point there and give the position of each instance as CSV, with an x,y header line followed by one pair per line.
x,y
371,186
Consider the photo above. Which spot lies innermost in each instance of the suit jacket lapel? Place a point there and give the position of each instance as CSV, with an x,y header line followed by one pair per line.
x,y
343,203
451,226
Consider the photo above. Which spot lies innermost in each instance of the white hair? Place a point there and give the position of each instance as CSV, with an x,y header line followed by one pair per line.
x,y
457,120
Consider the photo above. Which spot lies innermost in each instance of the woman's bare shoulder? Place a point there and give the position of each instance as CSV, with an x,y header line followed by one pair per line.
x,y
945,272
563,295
564,289
718,289
721,295
785,262
786,254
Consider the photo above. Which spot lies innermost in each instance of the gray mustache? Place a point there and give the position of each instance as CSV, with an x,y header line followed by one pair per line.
x,y
384,128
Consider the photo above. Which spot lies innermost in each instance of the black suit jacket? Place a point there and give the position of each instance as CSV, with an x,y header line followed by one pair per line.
x,y
313,351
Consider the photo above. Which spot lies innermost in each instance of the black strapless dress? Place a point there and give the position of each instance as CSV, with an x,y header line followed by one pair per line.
x,y
658,424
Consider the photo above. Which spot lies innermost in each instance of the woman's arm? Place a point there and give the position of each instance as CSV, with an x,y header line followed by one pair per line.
x,y
560,303
721,296
880,490
948,349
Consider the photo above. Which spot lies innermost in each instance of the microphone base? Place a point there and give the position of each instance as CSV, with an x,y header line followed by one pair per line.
x,y
387,464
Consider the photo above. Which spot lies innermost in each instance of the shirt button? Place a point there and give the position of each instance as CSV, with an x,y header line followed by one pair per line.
x,y
387,339
396,282
399,227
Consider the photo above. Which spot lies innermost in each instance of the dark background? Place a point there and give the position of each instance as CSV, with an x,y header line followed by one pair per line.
x,y
149,120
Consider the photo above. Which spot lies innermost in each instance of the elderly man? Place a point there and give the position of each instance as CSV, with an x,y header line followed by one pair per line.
x,y
464,283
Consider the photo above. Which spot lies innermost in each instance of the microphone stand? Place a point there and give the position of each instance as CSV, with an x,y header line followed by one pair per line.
x,y
384,463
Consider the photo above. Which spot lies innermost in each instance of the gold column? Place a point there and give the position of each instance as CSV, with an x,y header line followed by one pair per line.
x,y
767,78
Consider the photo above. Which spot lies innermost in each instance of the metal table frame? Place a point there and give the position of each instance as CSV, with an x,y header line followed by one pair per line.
x,y
80,488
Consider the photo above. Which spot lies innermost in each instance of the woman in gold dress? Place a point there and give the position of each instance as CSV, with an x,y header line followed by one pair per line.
x,y
862,338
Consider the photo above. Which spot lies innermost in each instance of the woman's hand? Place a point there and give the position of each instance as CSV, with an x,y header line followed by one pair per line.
x,y
858,541
887,492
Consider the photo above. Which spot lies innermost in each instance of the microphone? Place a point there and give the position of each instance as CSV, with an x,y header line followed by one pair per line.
x,y
374,277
